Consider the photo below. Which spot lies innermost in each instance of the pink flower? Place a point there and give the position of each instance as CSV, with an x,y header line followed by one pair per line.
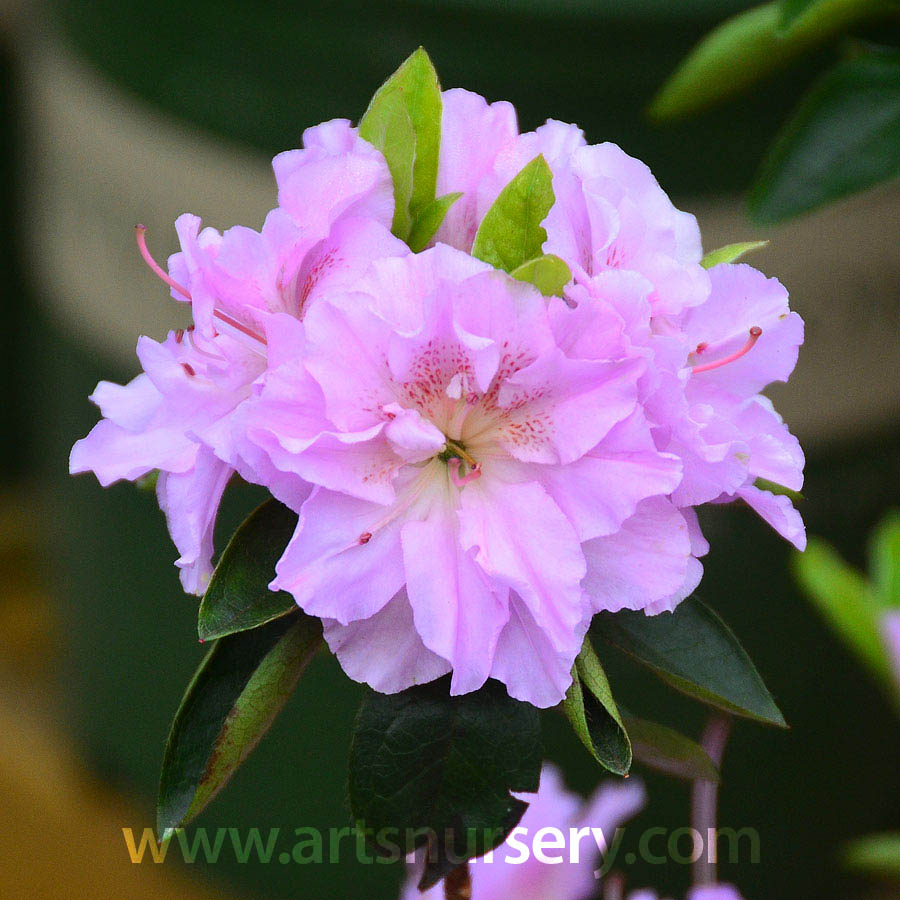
x,y
890,629
498,877
336,207
482,484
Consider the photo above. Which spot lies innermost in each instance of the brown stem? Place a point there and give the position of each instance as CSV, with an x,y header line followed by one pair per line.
x,y
705,798
458,884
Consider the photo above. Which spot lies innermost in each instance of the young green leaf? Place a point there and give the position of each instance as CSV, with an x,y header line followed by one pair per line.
x,y
423,760
793,12
669,751
591,709
238,597
404,122
730,253
884,553
778,489
428,219
846,601
548,273
510,233
843,137
877,855
231,701
741,51
694,651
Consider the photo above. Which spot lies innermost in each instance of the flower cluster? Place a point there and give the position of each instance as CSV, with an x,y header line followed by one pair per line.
x,y
477,468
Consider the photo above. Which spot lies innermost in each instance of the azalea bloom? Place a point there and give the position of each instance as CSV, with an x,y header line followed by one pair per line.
x,y
498,878
483,485
890,629
335,205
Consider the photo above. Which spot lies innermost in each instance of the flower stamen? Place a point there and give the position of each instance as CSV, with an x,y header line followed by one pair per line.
x,y
473,474
755,333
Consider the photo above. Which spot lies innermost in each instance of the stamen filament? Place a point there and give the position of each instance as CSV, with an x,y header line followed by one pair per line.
x,y
456,450
473,474
755,333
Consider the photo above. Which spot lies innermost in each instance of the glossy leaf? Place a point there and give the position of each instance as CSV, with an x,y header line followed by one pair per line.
x,y
235,694
846,601
667,750
731,253
591,709
878,855
884,553
548,273
404,122
694,651
238,597
843,137
511,233
793,12
428,220
422,759
741,51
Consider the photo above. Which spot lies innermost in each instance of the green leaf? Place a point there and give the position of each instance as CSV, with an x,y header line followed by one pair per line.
x,y
741,51
231,701
846,601
148,482
404,122
694,651
667,750
884,553
548,273
778,489
510,233
843,137
422,759
428,220
877,854
591,709
793,12
731,253
238,597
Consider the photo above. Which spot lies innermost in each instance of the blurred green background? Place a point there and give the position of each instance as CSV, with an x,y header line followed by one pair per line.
x,y
248,77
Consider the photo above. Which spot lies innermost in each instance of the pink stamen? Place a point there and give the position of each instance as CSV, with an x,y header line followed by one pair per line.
x,y
140,232
473,474
755,333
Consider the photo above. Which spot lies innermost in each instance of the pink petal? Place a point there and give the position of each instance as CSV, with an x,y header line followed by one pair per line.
x,y
778,511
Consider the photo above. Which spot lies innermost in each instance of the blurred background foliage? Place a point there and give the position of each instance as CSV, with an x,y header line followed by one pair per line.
x,y
91,600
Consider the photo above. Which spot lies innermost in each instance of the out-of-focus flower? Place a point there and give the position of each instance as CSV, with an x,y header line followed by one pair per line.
x,y
497,877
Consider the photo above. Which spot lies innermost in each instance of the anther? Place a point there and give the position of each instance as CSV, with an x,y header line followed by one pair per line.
x,y
473,474
755,333
365,537
188,368
179,336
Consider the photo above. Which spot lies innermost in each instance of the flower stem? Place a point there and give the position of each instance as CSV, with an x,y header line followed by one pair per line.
x,y
705,797
458,884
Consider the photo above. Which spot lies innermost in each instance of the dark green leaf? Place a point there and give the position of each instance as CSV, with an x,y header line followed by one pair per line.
x,y
843,137
229,705
548,273
741,51
404,122
422,759
845,599
793,12
428,220
730,253
238,597
693,650
510,233
884,553
591,709
878,855
667,750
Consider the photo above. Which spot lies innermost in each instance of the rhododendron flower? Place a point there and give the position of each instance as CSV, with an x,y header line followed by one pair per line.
x,y
484,480
890,629
497,877
336,203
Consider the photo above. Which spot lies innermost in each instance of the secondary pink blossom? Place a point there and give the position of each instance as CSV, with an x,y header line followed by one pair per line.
x,y
336,203
890,629
482,485
499,877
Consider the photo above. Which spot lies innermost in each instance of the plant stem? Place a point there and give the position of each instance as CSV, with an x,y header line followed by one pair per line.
x,y
705,797
458,884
